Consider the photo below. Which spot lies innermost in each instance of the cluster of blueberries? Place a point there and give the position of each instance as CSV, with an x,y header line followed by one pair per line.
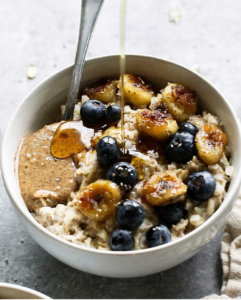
x,y
94,112
130,215
180,148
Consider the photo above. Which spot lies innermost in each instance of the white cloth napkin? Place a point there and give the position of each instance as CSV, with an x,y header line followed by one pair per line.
x,y
231,255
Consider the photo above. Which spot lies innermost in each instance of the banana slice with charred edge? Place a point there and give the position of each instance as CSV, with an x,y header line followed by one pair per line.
x,y
179,101
104,91
210,143
156,123
113,132
164,189
98,200
136,90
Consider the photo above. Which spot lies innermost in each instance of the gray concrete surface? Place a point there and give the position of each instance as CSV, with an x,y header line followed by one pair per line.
x,y
44,33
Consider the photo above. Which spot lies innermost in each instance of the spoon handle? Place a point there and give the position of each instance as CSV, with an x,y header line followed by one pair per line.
x,y
89,14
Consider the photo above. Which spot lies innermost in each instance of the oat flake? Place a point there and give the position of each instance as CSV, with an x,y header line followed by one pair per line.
x,y
31,72
174,16
195,68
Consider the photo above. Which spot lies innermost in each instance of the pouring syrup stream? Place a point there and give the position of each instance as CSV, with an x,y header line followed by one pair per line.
x,y
122,67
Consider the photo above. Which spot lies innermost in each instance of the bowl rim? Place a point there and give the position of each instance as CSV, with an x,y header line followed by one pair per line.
x,y
29,291
228,197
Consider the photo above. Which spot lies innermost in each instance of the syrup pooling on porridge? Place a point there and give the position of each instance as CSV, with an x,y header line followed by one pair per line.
x,y
71,138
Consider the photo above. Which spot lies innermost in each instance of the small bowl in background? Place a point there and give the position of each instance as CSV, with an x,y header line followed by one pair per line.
x,y
13,291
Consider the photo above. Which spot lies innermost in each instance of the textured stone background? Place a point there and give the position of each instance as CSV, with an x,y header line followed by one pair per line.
x,y
45,33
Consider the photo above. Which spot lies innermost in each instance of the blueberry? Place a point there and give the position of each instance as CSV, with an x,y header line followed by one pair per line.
x,y
122,240
201,186
171,214
113,113
188,127
158,235
180,147
123,174
93,111
107,151
130,214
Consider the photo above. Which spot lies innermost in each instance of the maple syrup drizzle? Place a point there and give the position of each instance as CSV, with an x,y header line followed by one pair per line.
x,y
122,68
70,138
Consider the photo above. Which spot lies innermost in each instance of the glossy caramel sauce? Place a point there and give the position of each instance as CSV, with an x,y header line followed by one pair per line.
x,y
148,145
142,149
70,138
141,152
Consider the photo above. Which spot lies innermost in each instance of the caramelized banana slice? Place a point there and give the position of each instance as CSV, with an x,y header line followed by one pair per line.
x,y
136,90
156,123
98,200
113,132
164,189
210,143
104,91
179,101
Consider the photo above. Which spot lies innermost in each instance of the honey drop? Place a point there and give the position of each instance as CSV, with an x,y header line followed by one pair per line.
x,y
70,138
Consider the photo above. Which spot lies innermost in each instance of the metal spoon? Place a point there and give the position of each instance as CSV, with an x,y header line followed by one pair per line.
x,y
89,13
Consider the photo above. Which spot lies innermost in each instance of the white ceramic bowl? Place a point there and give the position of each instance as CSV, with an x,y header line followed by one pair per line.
x,y
13,291
41,106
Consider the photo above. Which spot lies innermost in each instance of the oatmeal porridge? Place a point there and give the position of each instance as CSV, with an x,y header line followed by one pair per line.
x,y
89,187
